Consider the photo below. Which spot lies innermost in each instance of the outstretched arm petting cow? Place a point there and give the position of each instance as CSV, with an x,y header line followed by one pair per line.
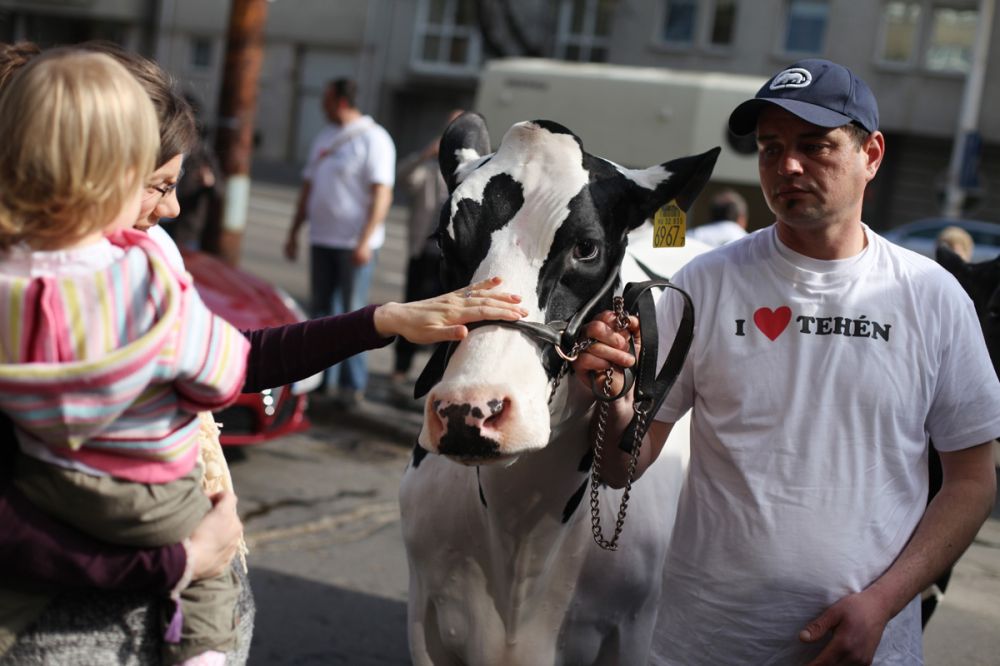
x,y
503,565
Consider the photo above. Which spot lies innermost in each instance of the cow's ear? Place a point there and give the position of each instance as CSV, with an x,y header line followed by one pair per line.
x,y
464,140
679,180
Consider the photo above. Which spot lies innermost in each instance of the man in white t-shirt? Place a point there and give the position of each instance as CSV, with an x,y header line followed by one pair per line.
x,y
823,360
728,211
345,196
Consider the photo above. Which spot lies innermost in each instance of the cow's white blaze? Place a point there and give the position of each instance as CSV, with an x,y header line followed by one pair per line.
x,y
499,364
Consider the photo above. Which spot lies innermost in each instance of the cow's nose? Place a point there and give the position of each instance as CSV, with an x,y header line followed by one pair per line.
x,y
470,416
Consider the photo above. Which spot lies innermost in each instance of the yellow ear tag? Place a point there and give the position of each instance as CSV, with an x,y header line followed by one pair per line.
x,y
669,224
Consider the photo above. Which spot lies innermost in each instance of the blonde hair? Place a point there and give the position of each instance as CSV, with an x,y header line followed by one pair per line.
x,y
957,240
80,136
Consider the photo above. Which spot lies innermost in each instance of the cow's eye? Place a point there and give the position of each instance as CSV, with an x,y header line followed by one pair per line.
x,y
585,250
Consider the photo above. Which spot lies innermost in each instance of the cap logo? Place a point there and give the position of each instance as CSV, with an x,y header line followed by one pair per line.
x,y
793,77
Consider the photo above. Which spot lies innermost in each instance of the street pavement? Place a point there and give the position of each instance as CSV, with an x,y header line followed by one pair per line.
x,y
327,563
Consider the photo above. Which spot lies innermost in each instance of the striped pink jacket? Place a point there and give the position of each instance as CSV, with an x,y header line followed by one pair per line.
x,y
110,370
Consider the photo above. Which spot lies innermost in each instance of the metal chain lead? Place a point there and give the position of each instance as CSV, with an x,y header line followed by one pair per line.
x,y
595,472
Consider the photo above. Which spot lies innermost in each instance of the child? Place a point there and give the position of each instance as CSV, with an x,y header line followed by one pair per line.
x,y
106,354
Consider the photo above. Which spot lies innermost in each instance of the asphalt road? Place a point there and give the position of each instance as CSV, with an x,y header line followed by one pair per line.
x,y
327,563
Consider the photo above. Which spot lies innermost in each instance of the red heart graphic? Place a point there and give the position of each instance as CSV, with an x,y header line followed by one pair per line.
x,y
772,322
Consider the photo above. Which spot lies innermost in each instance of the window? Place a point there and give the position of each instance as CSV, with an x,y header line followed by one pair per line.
x,y
679,21
584,30
447,36
952,35
723,23
900,29
940,35
805,26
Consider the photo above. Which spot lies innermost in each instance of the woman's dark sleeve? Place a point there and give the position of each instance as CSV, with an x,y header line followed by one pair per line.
x,y
285,354
35,547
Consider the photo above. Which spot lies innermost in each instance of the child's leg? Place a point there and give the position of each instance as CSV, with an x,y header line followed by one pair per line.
x,y
143,515
112,510
210,621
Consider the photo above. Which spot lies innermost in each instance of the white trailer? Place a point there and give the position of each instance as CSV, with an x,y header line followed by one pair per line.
x,y
636,116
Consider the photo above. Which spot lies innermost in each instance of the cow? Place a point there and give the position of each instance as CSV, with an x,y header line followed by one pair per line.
x,y
503,565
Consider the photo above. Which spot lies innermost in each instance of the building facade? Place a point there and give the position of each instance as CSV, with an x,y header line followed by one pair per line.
x,y
418,59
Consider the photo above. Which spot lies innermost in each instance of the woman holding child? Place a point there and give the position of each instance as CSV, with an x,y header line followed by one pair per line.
x,y
62,216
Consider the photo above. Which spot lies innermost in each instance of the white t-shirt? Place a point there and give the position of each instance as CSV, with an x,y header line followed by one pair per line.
x,y
362,155
814,386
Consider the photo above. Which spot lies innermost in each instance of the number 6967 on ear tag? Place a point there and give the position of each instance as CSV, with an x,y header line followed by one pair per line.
x,y
669,224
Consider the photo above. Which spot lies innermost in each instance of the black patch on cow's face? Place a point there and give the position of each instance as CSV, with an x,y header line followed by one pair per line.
x,y
598,218
462,440
472,226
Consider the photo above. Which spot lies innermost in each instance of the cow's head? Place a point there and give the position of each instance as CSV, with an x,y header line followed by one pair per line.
x,y
551,220
982,282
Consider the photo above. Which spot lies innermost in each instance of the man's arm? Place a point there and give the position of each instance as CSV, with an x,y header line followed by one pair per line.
x,y
292,242
948,526
377,211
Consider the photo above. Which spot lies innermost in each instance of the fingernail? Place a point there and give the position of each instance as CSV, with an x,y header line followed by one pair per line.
x,y
517,299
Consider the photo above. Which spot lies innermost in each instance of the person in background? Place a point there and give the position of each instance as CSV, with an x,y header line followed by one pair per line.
x,y
728,213
420,174
824,358
958,241
345,196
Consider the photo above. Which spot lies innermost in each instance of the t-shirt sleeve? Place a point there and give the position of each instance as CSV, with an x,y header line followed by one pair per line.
x,y
381,159
965,410
669,310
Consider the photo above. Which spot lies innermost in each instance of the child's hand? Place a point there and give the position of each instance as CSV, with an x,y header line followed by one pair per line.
x,y
443,317
214,542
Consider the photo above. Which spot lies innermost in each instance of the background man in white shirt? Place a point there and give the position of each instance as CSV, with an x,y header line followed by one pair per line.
x,y
346,194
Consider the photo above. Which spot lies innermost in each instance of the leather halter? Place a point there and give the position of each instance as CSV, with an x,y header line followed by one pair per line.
x,y
651,388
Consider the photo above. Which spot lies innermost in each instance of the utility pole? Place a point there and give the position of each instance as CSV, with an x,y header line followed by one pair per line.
x,y
234,131
966,144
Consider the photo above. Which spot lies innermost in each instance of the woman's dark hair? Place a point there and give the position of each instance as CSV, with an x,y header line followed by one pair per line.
x,y
13,57
178,130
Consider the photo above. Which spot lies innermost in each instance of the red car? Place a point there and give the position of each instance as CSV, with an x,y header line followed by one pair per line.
x,y
248,303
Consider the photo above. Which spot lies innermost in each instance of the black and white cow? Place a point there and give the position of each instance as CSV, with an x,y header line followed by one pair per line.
x,y
503,565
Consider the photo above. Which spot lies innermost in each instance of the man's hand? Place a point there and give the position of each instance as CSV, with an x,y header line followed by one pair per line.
x,y
857,622
214,542
362,254
610,350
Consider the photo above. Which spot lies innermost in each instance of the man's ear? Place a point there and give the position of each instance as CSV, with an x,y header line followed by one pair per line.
x,y
874,148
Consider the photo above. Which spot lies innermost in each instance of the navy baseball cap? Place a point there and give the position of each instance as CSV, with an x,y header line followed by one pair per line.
x,y
818,91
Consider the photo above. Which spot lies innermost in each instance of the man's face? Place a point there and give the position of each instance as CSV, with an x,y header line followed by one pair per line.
x,y
330,104
811,176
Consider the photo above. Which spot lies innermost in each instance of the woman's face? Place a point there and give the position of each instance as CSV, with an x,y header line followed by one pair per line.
x,y
159,199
